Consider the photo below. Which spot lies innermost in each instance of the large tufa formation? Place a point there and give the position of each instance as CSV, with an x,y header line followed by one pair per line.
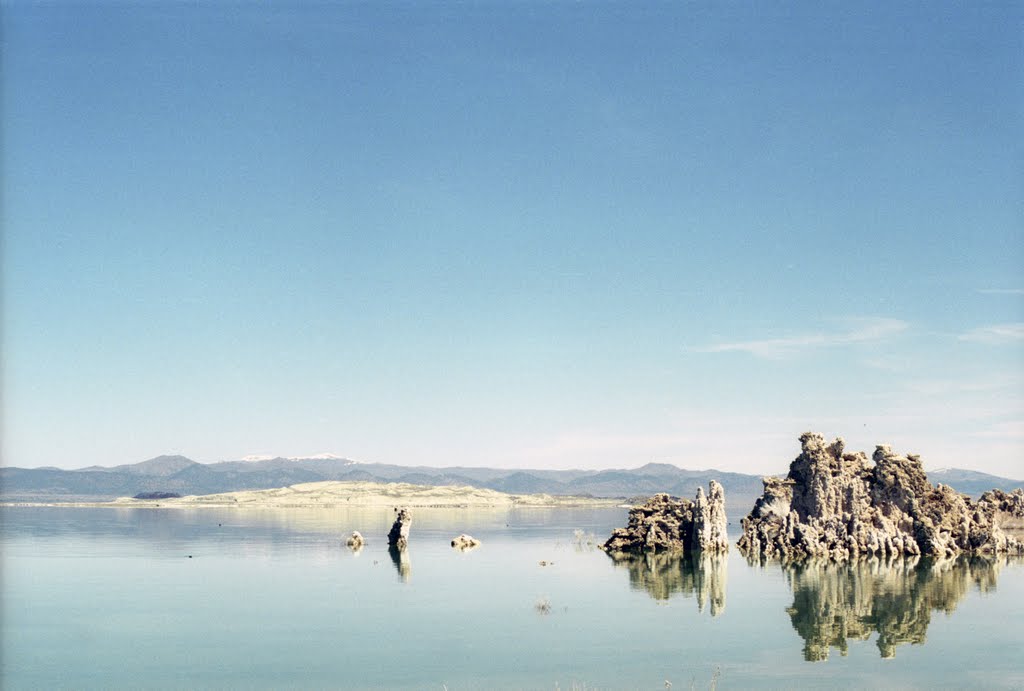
x,y
835,504
398,537
670,525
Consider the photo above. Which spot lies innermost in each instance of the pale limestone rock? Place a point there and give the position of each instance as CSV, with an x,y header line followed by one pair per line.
x,y
835,504
709,520
399,535
675,525
464,542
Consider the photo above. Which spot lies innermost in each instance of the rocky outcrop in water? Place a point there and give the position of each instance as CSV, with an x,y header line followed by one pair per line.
x,y
355,541
465,542
398,537
709,520
836,504
664,524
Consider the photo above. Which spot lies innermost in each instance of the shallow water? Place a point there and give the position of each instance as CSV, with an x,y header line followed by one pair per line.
x,y
211,598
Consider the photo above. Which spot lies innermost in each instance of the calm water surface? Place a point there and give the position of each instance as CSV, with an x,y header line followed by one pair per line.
x,y
142,598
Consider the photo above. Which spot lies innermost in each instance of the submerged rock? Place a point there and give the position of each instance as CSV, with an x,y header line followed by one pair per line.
x,y
399,534
464,542
838,505
674,525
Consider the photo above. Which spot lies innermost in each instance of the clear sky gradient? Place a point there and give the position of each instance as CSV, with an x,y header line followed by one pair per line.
x,y
539,234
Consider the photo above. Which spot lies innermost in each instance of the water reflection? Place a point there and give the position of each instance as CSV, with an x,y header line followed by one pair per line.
x,y
835,603
400,558
662,574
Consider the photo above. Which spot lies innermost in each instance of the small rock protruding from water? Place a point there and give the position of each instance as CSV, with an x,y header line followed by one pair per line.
x,y
355,541
399,535
464,542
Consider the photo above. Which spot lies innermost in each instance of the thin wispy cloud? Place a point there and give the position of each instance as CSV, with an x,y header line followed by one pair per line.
x,y
1011,429
996,334
858,331
594,443
1006,382
1001,291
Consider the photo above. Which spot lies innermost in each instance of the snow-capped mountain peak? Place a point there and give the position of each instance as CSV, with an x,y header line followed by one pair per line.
x,y
254,458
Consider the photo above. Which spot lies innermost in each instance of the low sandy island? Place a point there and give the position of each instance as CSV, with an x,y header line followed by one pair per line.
x,y
370,494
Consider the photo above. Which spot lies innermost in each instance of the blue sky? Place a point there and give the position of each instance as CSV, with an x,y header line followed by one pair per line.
x,y
523,235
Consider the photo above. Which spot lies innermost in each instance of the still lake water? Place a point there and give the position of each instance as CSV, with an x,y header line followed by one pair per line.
x,y
110,598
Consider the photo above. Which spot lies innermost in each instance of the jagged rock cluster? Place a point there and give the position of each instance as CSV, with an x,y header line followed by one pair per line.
x,y
838,505
399,534
667,524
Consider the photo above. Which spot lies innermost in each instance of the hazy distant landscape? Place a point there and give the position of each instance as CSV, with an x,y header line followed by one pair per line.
x,y
520,267
184,476
181,475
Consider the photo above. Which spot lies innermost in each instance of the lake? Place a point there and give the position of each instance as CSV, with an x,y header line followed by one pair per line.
x,y
207,598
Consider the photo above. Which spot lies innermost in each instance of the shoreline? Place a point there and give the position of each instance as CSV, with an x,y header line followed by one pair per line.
x,y
333,494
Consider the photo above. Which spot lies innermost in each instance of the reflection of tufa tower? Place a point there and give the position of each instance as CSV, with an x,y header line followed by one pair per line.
x,y
836,602
663,574
400,558
710,576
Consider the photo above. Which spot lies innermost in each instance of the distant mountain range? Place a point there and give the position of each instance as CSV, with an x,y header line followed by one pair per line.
x,y
185,476
971,481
